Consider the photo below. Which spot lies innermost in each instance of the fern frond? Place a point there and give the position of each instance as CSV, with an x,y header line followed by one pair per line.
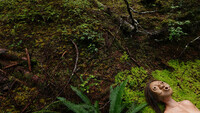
x,y
138,108
116,98
81,95
73,107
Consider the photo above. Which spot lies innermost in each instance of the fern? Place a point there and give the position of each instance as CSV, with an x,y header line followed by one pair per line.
x,y
138,108
116,105
116,98
74,107
81,95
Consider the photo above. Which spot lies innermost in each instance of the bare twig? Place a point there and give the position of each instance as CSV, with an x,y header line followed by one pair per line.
x,y
28,59
105,105
145,12
2,71
76,62
64,54
11,65
188,45
132,58
74,70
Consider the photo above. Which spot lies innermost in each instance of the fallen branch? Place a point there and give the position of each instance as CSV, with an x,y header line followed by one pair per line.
x,y
116,18
74,70
145,12
28,59
188,45
131,16
133,58
11,65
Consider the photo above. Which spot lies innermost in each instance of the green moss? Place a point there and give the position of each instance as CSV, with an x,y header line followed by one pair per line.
x,y
184,81
134,89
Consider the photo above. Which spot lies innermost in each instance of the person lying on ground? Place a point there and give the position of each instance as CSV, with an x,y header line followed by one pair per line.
x,y
159,91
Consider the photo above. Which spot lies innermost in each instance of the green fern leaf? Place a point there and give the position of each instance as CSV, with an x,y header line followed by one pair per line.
x,y
138,108
116,98
81,95
73,107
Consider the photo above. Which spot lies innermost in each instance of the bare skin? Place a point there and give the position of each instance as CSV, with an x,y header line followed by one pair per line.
x,y
164,92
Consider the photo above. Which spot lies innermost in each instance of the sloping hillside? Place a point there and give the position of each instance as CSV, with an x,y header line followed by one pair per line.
x,y
46,46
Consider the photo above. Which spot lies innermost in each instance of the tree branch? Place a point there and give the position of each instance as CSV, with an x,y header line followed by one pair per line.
x,y
116,18
145,12
188,45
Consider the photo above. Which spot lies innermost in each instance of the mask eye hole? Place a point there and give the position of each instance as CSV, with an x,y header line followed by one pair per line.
x,y
154,88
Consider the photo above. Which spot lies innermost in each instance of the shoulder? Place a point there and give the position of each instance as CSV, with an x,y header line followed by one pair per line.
x,y
186,102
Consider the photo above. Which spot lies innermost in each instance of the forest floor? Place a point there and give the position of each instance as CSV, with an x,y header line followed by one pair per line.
x,y
38,64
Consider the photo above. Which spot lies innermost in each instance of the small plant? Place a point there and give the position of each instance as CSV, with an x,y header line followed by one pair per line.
x,y
116,103
85,86
175,29
124,57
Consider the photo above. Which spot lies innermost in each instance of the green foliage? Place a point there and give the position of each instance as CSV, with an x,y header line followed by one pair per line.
x,y
184,80
124,57
175,29
28,11
116,98
136,82
116,104
77,6
85,85
86,107
81,95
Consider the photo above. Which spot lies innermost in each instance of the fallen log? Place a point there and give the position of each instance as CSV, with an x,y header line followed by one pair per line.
x,y
129,28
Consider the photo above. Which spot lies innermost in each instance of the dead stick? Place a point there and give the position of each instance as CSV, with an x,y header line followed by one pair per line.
x,y
74,70
145,12
188,45
64,53
28,58
9,66
132,58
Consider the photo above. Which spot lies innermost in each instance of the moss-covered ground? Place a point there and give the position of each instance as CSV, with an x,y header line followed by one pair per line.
x,y
56,33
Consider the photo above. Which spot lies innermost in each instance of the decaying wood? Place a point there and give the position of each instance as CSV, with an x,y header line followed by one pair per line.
x,y
130,14
28,58
129,28
145,12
